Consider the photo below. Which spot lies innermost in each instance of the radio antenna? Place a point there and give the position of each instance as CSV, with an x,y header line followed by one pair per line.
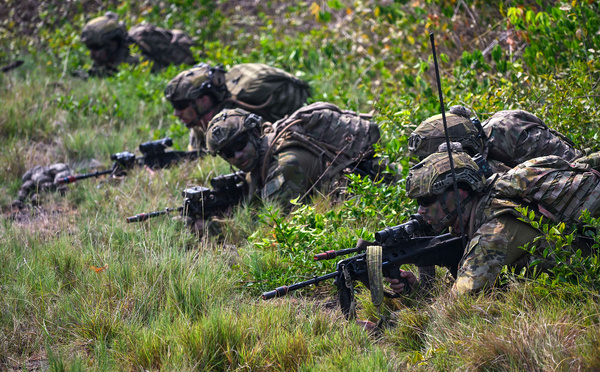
x,y
452,170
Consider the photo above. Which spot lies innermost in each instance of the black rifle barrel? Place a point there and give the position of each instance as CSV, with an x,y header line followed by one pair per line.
x,y
282,291
328,255
71,179
144,216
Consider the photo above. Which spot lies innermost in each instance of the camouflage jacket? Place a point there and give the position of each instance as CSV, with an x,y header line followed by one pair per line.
x,y
494,230
515,136
292,173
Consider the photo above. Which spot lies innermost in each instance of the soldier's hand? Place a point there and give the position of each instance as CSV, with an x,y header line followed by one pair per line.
x,y
398,287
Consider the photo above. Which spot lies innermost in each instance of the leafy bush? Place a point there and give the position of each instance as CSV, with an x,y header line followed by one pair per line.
x,y
572,259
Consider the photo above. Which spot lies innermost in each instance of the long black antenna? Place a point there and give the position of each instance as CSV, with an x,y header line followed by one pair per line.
x,y
454,183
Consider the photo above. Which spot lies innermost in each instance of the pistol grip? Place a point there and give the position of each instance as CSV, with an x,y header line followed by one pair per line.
x,y
395,274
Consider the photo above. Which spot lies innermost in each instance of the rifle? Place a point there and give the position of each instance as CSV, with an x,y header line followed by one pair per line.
x,y
155,156
11,66
201,202
399,246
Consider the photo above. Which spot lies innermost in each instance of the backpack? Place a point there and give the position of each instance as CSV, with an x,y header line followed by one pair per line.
x,y
265,90
339,137
515,136
556,188
163,47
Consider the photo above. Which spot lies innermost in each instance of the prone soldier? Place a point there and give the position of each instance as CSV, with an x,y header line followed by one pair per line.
x,y
198,94
548,185
108,42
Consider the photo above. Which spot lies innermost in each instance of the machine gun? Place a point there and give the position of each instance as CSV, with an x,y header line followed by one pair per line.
x,y
155,156
201,202
399,246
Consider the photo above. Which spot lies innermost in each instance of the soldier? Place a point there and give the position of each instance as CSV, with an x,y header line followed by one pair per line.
x,y
505,140
549,186
198,94
108,42
304,153
39,179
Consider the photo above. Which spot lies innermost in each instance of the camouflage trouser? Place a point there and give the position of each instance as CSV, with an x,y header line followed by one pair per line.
x,y
494,245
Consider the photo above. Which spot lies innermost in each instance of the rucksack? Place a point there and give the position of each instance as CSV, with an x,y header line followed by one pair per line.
x,y
558,189
265,90
163,47
341,137
515,136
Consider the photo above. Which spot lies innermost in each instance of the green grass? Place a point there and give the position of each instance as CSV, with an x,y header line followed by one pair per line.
x,y
80,289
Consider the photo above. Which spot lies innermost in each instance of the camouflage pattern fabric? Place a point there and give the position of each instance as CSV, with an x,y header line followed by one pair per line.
x,y
273,92
41,179
494,245
433,175
162,47
291,174
509,138
515,136
592,160
558,189
102,30
427,137
338,137
550,186
260,89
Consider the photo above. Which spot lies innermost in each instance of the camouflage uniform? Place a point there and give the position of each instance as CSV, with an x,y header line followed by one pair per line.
x,y
506,139
39,179
549,186
292,162
162,47
260,89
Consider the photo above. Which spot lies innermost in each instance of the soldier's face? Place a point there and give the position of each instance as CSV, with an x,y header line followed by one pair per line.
x,y
433,213
431,210
241,153
189,116
103,54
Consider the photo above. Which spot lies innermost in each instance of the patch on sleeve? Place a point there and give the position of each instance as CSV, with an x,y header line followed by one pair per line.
x,y
272,186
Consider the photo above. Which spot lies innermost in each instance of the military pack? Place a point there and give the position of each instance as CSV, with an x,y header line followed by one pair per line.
x,y
515,136
554,187
163,47
339,137
265,90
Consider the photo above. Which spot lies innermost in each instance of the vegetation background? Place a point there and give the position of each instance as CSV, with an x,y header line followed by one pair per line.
x,y
82,290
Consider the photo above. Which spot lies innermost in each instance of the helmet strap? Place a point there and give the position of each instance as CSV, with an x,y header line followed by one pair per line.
x,y
199,114
450,215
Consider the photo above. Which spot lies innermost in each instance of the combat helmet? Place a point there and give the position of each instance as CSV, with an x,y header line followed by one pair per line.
x,y
433,175
99,31
427,137
198,81
227,126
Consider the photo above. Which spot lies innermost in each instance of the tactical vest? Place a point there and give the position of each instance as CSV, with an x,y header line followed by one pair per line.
x,y
337,137
265,90
550,185
163,47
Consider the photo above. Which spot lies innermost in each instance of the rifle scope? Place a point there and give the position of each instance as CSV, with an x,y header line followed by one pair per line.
x,y
156,147
402,231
